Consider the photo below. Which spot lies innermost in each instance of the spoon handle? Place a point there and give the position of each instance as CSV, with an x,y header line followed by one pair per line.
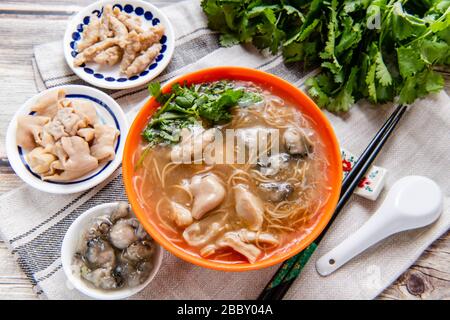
x,y
374,230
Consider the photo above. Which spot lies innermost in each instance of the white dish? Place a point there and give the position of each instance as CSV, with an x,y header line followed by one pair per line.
x,y
110,77
108,111
69,248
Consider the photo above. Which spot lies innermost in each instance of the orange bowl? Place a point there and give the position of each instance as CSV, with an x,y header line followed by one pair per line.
x,y
279,87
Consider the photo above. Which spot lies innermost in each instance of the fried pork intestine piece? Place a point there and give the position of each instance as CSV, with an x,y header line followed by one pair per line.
x,y
141,62
79,161
118,28
131,50
91,34
110,56
29,130
104,30
103,146
152,35
48,105
132,23
89,53
135,43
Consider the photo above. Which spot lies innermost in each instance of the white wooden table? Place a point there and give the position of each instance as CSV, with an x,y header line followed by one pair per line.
x,y
25,23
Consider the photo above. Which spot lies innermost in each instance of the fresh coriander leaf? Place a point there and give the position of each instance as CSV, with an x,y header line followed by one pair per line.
x,y
405,25
316,92
328,52
228,40
344,99
154,89
408,93
433,81
382,73
409,61
370,82
433,51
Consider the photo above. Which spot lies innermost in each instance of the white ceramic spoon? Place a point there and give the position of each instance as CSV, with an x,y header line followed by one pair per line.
x,y
412,202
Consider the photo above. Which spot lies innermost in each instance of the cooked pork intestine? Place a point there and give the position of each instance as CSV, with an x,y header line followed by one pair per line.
x,y
56,129
29,130
48,105
132,23
203,231
39,160
115,25
131,50
103,146
44,136
64,103
151,36
208,193
85,110
136,43
70,120
79,160
110,56
247,236
54,167
91,34
89,53
142,61
87,134
47,141
180,215
248,207
104,31
232,240
113,31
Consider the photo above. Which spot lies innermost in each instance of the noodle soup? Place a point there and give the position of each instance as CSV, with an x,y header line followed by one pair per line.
x,y
236,177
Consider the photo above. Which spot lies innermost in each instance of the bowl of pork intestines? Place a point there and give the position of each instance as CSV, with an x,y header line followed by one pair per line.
x,y
66,139
119,44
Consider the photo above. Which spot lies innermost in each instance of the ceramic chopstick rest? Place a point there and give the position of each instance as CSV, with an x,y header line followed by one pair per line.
x,y
373,182
411,203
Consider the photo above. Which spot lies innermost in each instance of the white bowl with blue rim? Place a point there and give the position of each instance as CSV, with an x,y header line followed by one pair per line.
x,y
109,77
108,112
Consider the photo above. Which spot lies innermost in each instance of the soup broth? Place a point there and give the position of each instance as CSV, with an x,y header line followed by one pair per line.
x,y
271,200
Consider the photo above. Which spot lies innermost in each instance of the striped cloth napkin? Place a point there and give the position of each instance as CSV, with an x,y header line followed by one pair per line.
x,y
33,223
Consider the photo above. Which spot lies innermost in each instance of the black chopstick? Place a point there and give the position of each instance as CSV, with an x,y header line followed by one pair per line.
x,y
291,268
366,153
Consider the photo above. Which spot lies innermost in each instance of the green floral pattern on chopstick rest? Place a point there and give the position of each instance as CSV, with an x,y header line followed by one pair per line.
x,y
372,183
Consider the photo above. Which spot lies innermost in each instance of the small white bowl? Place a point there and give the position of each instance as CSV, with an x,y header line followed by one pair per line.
x,y
108,111
71,243
110,77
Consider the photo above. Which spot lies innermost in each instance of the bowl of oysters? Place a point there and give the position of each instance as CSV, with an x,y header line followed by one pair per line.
x,y
107,254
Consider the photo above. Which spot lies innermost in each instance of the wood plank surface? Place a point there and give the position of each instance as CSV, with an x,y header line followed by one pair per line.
x,y
25,23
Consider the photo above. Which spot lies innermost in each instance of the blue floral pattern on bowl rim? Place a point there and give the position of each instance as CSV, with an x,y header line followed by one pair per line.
x,y
128,8
96,173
